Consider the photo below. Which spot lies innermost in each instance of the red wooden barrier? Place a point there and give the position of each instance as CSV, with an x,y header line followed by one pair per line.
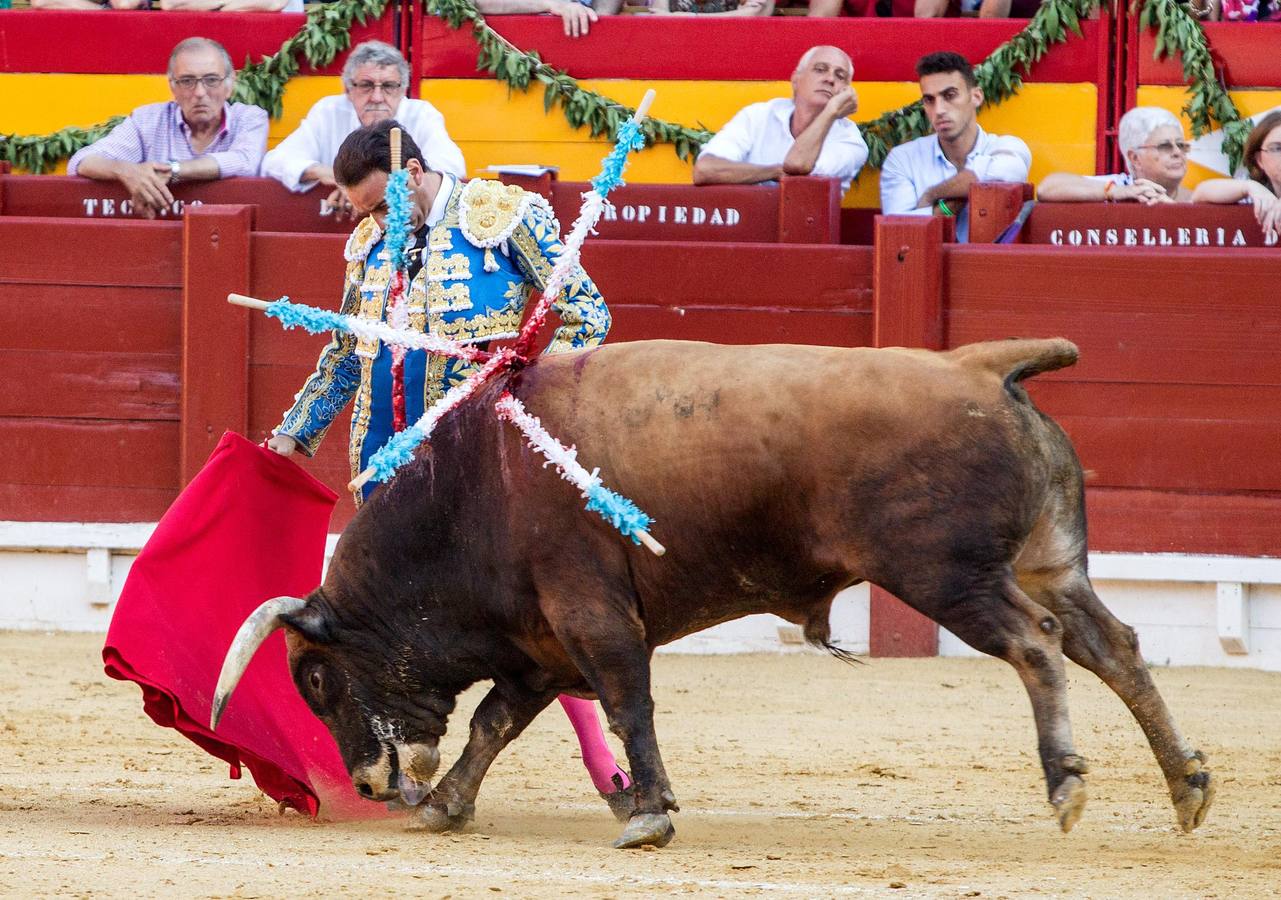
x,y
277,209
1172,406
993,206
797,210
908,312
909,301
89,313
215,334
1169,226
91,43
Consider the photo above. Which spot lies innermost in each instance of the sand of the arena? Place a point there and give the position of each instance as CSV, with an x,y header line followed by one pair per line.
x,y
798,776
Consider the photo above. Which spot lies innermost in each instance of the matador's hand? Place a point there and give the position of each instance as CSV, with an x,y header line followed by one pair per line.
x,y
282,444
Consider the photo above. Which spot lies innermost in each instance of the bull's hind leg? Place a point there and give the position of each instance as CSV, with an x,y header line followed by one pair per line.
x,y
1003,622
499,719
1097,640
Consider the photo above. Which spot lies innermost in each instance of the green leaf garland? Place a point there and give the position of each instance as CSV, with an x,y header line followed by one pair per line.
x,y
1208,101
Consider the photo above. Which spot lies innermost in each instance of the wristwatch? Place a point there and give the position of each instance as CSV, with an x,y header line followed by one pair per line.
x,y
174,170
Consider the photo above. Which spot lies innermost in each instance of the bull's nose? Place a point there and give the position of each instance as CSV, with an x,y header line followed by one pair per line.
x,y
365,789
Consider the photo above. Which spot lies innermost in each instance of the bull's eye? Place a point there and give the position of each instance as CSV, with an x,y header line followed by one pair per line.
x,y
315,680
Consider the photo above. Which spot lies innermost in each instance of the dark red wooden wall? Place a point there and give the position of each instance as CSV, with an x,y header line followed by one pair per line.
x,y
1173,405
90,314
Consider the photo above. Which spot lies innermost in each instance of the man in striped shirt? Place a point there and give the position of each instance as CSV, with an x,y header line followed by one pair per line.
x,y
197,136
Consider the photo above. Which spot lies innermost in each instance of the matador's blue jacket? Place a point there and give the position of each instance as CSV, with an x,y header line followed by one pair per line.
x,y
494,246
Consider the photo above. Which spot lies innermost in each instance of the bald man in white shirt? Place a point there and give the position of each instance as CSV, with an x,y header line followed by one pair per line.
x,y
809,134
375,79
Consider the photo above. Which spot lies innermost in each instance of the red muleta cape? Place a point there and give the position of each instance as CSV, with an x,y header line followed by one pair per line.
x,y
250,526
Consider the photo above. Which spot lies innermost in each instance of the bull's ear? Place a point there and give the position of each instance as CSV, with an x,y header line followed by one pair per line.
x,y
311,622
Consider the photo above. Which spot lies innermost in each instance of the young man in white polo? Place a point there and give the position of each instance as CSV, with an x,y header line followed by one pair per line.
x,y
933,174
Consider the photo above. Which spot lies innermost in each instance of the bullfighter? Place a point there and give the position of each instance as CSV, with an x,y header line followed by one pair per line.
x,y
478,252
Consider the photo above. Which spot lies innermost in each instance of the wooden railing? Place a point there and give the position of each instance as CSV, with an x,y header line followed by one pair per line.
x,y
795,210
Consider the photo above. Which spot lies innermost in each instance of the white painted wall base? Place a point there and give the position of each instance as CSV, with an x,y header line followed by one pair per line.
x,y
1188,610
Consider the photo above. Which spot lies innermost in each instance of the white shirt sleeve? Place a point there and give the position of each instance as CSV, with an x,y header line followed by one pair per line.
x,y
843,154
1006,158
290,158
898,193
734,142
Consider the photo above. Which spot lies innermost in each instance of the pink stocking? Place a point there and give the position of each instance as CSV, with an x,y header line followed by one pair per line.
x,y
597,756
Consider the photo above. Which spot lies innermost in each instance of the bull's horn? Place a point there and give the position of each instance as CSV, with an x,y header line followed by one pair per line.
x,y
256,629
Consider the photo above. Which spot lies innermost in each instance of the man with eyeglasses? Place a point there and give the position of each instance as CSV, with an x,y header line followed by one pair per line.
x,y
375,78
197,136
1156,154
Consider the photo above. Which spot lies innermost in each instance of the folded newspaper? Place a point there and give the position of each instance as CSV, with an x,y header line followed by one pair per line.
x,y
530,171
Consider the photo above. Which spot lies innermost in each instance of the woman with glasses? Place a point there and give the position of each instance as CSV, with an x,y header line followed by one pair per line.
x,y
1156,154
1262,188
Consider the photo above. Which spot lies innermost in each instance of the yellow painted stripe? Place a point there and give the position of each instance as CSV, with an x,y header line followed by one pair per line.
x,y
1249,103
494,126
39,104
1057,120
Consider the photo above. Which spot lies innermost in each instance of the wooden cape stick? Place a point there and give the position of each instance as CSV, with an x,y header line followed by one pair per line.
x,y
481,356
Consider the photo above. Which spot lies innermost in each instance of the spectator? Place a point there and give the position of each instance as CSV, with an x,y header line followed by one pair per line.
x,y
577,16
938,169
1262,189
197,136
89,4
1156,154
809,134
712,7
374,78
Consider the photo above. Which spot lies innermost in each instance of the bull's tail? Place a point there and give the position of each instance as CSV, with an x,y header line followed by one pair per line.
x,y
1017,359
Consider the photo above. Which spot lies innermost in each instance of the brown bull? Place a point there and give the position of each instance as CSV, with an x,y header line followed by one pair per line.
x,y
777,476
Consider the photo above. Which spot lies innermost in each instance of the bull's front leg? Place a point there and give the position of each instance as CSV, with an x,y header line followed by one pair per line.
x,y
504,713
616,665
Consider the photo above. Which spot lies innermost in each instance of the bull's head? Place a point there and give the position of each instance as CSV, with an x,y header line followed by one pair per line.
x,y
387,728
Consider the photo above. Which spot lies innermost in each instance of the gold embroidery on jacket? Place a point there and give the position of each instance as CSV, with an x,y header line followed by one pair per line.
x,y
456,267
489,210
448,298
377,278
528,247
506,319
416,304
360,419
434,380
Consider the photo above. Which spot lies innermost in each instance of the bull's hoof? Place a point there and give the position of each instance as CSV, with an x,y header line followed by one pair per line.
x,y
621,800
437,819
1194,793
1069,802
647,829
